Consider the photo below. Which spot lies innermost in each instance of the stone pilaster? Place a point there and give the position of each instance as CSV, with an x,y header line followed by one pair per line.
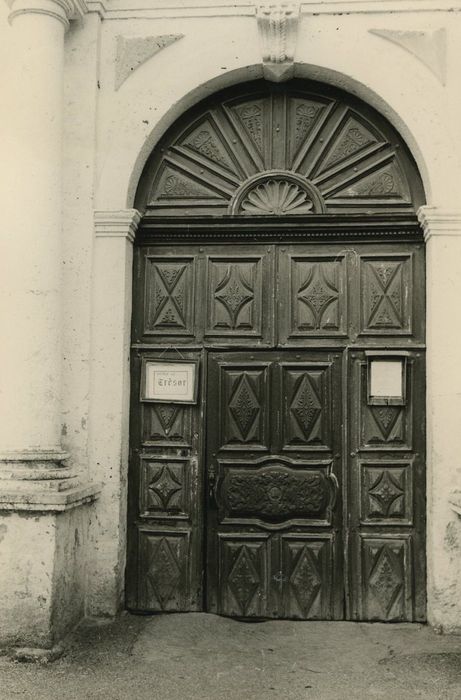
x,y
112,304
442,231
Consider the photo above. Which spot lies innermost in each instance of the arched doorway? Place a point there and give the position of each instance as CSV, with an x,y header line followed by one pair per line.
x,y
277,423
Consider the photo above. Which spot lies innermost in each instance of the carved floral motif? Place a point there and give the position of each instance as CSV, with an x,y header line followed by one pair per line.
x,y
163,573
251,116
243,579
204,141
353,141
383,293
244,406
164,485
301,135
275,493
306,407
234,292
305,581
167,294
305,116
175,185
385,582
386,496
386,418
277,197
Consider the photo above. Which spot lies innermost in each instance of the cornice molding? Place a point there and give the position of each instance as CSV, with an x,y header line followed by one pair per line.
x,y
48,501
437,221
62,10
121,223
98,6
167,9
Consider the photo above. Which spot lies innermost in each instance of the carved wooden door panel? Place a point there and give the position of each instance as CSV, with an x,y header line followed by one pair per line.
x,y
164,566
274,504
386,404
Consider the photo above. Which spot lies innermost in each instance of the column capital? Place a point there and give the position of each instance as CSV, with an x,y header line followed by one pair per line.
x,y
438,221
121,223
62,10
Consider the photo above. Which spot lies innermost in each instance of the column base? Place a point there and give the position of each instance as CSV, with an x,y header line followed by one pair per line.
x,y
38,480
44,518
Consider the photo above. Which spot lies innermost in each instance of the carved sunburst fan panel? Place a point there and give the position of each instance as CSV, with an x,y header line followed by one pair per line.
x,y
280,150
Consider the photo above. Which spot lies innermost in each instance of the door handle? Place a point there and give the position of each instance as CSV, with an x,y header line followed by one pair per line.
x,y
334,489
213,486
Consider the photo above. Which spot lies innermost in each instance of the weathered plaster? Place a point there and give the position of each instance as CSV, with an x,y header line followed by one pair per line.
x,y
43,576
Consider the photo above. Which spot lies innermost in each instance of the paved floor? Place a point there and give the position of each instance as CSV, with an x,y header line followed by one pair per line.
x,y
205,657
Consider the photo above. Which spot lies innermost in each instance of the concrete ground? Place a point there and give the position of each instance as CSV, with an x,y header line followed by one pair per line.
x,y
205,657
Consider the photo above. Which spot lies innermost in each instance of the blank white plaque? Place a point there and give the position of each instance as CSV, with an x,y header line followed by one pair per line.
x,y
386,379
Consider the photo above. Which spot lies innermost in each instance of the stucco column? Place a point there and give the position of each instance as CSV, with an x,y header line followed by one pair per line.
x,y
31,244
109,415
44,506
442,230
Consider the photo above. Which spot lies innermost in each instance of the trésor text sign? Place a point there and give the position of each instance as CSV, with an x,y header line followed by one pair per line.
x,y
167,381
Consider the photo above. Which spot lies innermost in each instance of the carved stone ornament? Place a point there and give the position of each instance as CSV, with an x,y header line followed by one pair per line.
x,y
277,193
429,47
278,28
132,52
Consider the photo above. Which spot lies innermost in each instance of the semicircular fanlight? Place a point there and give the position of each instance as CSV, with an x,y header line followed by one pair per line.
x,y
331,154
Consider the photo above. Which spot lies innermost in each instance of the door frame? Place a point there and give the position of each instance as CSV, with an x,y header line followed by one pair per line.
x,y
310,229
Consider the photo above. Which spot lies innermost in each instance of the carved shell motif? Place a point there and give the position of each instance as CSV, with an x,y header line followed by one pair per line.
x,y
277,197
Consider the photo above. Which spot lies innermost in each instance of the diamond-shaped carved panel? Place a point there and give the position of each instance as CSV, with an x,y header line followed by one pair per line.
x,y
243,576
243,579
234,298
305,581
244,406
243,413
163,580
306,407
387,571
306,417
169,296
386,295
386,493
317,294
164,487
307,576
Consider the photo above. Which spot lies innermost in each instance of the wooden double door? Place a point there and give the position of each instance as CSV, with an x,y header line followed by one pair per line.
x,y
274,439
295,486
